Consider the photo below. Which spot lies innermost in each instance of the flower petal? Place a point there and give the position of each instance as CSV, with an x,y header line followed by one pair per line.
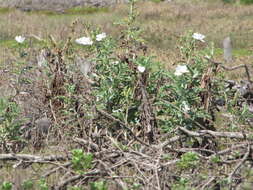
x,y
20,39
84,41
198,36
185,106
141,69
100,37
181,69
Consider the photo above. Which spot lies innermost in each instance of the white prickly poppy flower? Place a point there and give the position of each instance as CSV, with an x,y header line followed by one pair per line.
x,y
141,69
181,69
185,107
84,41
198,36
20,39
100,37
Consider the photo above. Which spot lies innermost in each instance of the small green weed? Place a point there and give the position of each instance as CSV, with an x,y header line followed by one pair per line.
x,y
9,124
182,184
42,185
215,159
81,162
98,185
28,185
6,186
188,160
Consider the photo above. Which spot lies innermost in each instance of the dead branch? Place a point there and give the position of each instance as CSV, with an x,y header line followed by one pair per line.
x,y
156,171
112,173
207,183
147,116
233,68
170,163
56,169
32,158
184,150
67,181
123,125
85,142
209,133
167,142
77,177
245,157
237,67
228,150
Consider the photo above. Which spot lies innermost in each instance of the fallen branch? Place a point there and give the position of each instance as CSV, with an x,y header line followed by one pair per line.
x,y
56,169
67,181
245,157
234,147
208,133
33,158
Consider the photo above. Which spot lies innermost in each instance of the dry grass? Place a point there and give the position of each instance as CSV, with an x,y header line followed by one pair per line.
x,y
162,23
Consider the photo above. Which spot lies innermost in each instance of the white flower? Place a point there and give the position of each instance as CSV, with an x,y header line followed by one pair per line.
x,y
181,69
101,36
115,62
198,36
141,69
20,39
84,41
185,107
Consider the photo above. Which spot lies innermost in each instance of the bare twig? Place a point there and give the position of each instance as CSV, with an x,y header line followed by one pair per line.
x,y
123,125
157,174
245,157
233,68
111,173
56,169
66,182
167,142
237,67
85,142
222,152
207,183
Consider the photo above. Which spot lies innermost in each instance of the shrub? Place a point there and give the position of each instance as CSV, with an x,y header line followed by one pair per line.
x,y
246,1
6,186
9,122
98,185
229,1
28,185
42,185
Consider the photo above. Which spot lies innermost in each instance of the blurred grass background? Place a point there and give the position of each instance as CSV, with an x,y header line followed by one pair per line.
x,y
162,24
